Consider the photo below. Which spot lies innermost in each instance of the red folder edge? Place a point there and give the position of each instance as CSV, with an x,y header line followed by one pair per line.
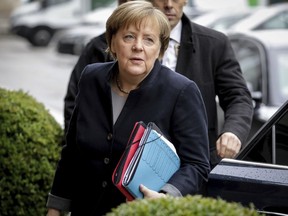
x,y
126,157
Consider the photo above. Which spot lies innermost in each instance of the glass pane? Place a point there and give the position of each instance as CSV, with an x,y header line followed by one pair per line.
x,y
278,22
282,64
282,141
249,59
101,3
262,151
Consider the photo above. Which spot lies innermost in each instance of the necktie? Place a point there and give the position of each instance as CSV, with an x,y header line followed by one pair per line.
x,y
170,56
176,48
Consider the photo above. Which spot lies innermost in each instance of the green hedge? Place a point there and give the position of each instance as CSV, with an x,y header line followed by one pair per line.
x,y
184,206
30,145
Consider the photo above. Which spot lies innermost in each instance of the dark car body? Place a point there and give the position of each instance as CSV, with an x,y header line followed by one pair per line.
x,y
259,174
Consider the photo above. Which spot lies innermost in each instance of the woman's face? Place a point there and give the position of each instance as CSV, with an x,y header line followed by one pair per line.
x,y
136,48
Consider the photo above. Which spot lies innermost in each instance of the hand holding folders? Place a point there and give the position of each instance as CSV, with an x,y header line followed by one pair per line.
x,y
149,159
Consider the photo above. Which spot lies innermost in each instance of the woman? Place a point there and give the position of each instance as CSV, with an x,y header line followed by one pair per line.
x,y
112,97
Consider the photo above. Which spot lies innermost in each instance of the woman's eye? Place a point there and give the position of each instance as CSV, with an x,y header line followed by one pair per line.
x,y
149,41
128,38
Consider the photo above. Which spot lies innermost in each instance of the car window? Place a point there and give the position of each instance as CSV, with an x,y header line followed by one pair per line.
x,y
48,3
273,146
224,23
278,70
280,21
102,3
94,3
282,70
249,57
191,3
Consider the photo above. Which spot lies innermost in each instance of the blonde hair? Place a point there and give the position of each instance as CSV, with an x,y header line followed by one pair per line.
x,y
134,12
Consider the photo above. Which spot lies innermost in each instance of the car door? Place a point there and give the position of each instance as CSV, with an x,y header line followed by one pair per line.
x,y
259,174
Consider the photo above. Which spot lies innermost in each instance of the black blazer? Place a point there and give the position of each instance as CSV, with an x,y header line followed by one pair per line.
x,y
206,57
94,144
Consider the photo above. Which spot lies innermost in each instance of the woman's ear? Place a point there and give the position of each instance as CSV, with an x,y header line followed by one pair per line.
x,y
112,48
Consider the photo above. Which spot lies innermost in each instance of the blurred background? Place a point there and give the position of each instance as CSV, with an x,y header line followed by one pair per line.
x,y
40,42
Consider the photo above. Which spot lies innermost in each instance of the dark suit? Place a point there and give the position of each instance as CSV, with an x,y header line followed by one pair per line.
x,y
94,144
206,57
92,53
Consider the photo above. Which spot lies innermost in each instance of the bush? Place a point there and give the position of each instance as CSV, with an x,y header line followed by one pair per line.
x,y
184,206
30,142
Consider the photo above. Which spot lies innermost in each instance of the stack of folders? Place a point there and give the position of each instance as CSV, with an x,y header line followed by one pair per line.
x,y
149,159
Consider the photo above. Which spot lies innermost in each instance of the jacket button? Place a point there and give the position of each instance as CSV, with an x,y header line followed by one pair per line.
x,y
104,184
109,137
106,160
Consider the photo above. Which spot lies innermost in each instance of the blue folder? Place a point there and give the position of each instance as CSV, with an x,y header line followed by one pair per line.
x,y
153,164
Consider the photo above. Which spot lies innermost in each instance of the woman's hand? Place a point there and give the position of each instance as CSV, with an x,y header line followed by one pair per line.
x,y
150,194
53,212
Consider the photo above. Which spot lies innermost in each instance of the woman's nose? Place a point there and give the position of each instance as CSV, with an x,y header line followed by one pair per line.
x,y
138,45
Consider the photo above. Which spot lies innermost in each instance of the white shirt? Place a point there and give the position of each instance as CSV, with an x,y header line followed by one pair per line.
x,y
170,56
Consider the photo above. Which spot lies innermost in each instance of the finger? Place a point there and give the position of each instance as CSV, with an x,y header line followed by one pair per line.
x,y
143,189
233,146
230,149
150,194
146,191
222,145
236,148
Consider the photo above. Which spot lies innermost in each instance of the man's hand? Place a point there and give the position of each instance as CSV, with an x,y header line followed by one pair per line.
x,y
228,145
150,194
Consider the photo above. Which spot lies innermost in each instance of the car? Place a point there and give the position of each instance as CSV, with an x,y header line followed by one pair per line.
x,y
192,10
274,16
221,20
73,40
40,25
259,173
263,58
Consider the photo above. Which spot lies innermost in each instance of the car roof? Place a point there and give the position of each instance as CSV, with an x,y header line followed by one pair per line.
x,y
211,16
269,38
260,15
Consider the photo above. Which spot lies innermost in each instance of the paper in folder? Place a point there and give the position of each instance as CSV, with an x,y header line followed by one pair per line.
x,y
153,164
125,159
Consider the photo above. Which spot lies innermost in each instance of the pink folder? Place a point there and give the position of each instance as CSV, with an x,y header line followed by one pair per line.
x,y
125,159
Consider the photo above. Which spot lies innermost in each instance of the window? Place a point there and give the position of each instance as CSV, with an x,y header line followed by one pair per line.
x,y
249,57
279,21
272,145
282,68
